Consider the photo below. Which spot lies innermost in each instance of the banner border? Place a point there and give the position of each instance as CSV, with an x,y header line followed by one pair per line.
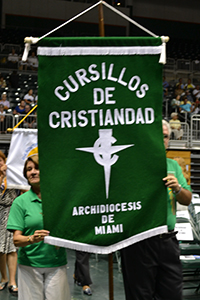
x,y
74,51
105,249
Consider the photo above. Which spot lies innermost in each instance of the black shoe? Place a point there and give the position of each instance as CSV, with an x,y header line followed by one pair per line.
x,y
76,281
3,285
12,290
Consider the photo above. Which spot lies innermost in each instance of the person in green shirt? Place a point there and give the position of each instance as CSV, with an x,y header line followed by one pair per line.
x,y
152,268
42,272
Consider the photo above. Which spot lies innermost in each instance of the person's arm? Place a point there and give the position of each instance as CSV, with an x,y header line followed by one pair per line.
x,y
21,240
27,101
183,196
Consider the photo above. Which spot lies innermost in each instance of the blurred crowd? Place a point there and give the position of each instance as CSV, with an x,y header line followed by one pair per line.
x,y
181,100
14,61
9,117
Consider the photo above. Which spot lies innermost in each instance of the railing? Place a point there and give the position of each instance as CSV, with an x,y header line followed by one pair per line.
x,y
6,121
10,120
182,65
189,137
180,138
195,131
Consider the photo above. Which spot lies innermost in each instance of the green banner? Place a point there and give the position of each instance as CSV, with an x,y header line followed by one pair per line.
x,y
100,141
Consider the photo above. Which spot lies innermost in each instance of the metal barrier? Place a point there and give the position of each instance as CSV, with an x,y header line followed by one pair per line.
x,y
6,121
10,120
196,66
180,138
184,65
195,131
29,122
170,64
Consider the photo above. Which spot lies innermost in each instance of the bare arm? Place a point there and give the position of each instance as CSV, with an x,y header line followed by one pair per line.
x,y
183,196
21,240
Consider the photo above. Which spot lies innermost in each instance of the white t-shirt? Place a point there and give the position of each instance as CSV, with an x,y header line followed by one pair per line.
x,y
196,91
13,57
5,103
29,97
33,61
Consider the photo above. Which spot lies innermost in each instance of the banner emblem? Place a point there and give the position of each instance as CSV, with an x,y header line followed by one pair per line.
x,y
102,152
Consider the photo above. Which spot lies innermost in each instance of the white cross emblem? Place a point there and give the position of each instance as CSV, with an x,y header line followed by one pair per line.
x,y
102,151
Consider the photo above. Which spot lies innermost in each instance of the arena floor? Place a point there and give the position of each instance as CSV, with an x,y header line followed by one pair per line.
x,y
99,275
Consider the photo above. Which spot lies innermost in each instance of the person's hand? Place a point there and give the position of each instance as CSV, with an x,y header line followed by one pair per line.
x,y
38,236
172,182
3,169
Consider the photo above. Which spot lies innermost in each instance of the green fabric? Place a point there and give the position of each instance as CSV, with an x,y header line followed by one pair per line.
x,y
26,216
99,41
71,129
174,168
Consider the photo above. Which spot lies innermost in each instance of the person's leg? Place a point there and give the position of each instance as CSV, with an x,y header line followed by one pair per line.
x,y
56,284
4,277
82,270
30,283
12,268
169,279
139,268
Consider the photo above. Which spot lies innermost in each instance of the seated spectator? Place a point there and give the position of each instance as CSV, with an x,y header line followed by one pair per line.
x,y
165,85
2,82
196,91
32,62
29,99
186,107
189,96
175,103
180,82
4,101
2,119
196,107
30,121
22,64
179,90
189,85
13,59
14,80
20,109
175,125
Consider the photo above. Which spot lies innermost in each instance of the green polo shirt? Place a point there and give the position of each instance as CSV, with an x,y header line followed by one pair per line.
x,y
174,168
26,215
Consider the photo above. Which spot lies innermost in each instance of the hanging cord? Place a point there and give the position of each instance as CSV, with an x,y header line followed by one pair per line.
x,y
31,40
128,19
164,39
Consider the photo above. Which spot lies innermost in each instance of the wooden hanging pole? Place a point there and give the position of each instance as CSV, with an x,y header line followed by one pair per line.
x,y
110,256
101,20
110,272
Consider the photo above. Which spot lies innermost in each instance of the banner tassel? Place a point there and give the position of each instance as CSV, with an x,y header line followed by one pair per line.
x,y
163,53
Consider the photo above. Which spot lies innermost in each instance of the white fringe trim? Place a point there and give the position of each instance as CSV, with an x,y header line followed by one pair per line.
x,y
73,51
23,130
107,249
18,187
